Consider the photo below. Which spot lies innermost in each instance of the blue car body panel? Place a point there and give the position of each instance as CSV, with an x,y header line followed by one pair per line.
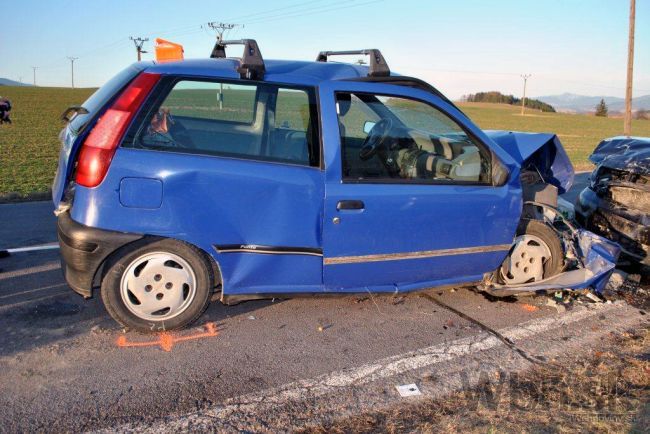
x,y
216,200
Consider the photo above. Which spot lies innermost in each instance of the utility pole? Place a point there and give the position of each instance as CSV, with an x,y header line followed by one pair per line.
x,y
523,99
20,79
139,42
627,123
221,28
72,59
34,69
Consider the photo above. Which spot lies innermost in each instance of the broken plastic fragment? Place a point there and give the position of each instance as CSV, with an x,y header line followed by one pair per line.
x,y
408,390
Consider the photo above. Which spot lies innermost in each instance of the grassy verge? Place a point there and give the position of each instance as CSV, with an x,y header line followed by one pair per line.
x,y
607,391
578,133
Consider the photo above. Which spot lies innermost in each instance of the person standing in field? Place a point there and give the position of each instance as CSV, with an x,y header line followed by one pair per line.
x,y
5,108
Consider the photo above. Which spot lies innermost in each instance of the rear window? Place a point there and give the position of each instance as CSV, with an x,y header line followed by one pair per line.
x,y
103,95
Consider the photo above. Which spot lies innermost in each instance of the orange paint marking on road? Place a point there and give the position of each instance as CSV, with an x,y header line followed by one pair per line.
x,y
529,307
166,340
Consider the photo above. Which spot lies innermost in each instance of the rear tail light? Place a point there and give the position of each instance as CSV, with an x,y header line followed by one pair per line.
x,y
97,151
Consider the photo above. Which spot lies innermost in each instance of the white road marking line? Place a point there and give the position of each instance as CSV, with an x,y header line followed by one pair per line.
x,y
15,294
369,372
31,270
48,246
21,303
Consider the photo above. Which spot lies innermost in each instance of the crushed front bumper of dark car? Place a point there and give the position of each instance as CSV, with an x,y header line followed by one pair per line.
x,y
616,204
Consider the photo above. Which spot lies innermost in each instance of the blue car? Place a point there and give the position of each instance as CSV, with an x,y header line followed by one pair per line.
x,y
245,178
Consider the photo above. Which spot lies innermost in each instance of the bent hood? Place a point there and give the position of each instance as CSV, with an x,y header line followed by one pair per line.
x,y
542,152
630,154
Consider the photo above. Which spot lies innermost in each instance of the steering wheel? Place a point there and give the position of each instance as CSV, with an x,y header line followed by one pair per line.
x,y
376,138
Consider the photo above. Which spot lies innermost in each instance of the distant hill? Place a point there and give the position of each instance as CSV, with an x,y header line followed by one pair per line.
x,y
498,97
572,103
7,82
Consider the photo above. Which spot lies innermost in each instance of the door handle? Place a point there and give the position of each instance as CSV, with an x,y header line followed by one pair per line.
x,y
350,204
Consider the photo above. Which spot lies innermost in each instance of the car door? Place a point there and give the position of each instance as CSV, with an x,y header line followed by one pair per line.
x,y
387,230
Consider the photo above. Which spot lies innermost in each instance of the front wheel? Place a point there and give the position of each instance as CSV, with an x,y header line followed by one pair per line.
x,y
161,285
537,254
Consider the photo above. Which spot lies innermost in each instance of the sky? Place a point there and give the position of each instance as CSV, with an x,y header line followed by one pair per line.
x,y
459,46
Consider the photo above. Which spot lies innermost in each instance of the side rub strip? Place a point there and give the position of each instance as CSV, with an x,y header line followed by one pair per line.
x,y
268,250
415,255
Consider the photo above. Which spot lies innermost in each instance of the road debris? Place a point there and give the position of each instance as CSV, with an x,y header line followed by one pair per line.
x,y
529,307
406,390
591,296
616,280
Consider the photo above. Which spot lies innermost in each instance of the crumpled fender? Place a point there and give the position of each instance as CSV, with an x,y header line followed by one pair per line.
x,y
598,256
538,151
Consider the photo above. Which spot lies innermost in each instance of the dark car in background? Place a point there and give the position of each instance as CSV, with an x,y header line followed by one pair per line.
x,y
616,204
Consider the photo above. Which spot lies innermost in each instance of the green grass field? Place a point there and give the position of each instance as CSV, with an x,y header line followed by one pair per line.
x,y
578,133
29,147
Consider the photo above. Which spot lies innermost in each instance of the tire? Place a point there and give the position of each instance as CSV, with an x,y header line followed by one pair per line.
x,y
537,236
152,286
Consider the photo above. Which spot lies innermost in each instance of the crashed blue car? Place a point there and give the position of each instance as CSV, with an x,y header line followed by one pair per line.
x,y
240,178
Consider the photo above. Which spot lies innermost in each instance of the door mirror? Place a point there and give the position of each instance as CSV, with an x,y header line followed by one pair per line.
x,y
367,126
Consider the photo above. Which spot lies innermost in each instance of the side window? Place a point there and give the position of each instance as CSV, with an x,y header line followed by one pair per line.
x,y
252,121
394,139
292,110
214,101
291,137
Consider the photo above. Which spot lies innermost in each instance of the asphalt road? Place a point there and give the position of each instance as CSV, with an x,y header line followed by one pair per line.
x,y
61,368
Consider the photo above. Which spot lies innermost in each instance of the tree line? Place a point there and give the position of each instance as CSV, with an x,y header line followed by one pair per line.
x,y
498,97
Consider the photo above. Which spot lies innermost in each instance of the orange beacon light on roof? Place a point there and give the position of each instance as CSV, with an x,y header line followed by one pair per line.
x,y
167,51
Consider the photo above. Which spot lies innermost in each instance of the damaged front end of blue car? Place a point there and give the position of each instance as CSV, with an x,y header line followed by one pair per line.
x,y
546,173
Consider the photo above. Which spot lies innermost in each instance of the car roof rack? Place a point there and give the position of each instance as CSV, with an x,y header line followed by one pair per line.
x,y
377,68
251,64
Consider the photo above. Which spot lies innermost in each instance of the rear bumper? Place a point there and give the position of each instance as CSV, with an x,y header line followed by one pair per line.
x,y
620,224
84,249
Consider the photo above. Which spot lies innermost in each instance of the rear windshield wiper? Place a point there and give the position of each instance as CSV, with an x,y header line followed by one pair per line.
x,y
72,111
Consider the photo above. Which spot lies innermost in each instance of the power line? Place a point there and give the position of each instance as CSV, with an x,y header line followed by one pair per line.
x,y
72,59
221,28
139,42
313,11
291,11
258,15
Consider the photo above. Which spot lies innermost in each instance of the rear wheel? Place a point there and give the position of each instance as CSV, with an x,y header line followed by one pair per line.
x,y
536,254
161,285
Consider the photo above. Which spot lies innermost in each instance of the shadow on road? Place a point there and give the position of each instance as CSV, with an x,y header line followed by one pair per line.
x,y
38,309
